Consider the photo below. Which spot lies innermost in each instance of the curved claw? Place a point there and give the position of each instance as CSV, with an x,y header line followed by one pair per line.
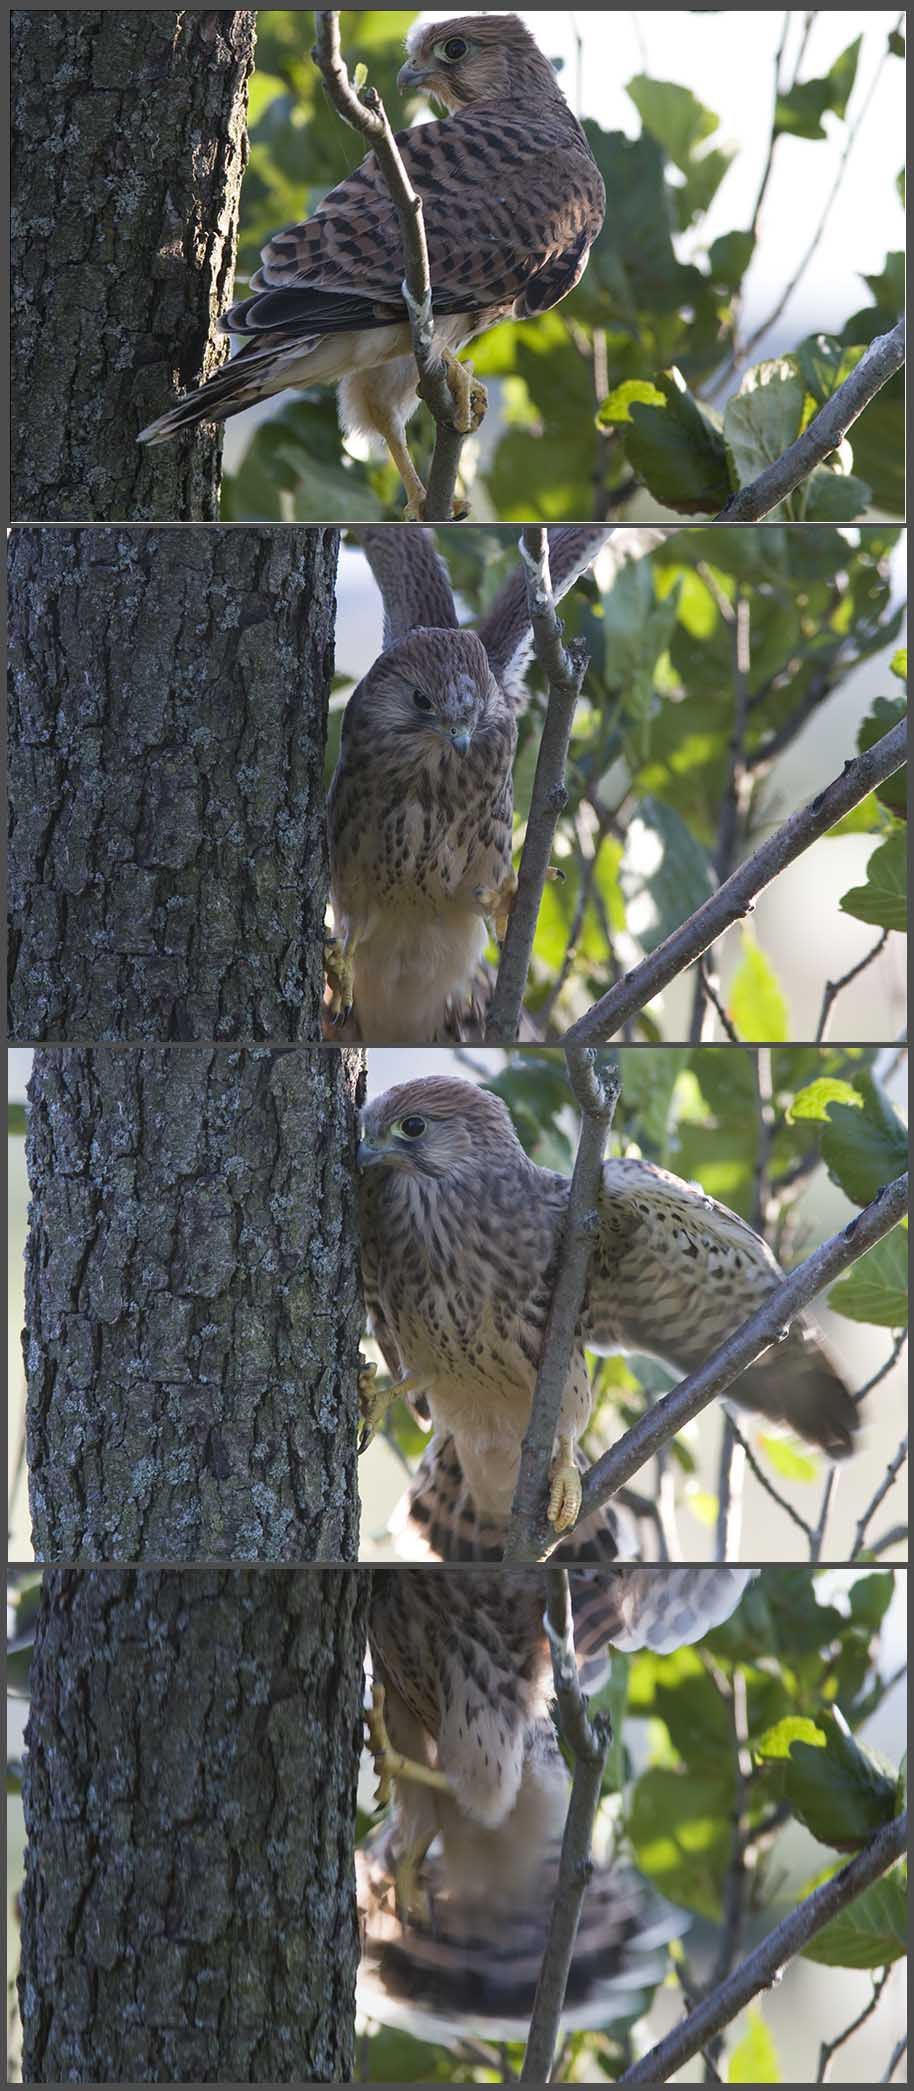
x,y
565,1492
338,972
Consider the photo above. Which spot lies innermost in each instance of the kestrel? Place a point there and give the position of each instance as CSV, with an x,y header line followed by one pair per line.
x,y
458,1932
459,1238
512,198
421,804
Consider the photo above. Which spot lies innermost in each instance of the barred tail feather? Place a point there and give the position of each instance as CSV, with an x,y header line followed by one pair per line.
x,y
254,374
437,1519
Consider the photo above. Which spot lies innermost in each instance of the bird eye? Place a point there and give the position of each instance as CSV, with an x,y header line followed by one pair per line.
x,y
421,702
413,1128
455,48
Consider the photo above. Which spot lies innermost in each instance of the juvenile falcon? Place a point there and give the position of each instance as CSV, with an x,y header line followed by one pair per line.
x,y
512,199
459,1239
457,1933
421,804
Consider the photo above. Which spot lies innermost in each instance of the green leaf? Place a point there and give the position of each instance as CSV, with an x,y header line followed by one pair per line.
x,y
671,442
15,1119
764,417
870,1933
884,713
876,1289
835,1786
754,2060
899,663
813,1101
792,1465
682,125
883,900
665,874
801,109
865,1144
729,258
755,1001
870,1598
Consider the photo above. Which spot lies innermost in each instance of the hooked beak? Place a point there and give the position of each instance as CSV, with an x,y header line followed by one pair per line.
x,y
367,1153
460,739
410,76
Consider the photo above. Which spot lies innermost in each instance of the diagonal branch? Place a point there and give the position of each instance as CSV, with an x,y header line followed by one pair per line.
x,y
365,112
588,1742
597,1097
763,1966
738,893
564,669
763,1328
827,430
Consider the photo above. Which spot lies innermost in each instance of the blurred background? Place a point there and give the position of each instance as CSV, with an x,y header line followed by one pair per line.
x,y
731,238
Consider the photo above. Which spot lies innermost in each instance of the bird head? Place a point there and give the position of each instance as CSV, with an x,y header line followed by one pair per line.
x,y
432,690
432,1127
474,58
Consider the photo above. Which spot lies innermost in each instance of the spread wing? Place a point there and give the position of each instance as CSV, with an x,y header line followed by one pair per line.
x,y
674,1273
511,207
413,580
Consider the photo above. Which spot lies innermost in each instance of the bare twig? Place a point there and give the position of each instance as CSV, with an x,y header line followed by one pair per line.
x,y
897,2055
829,2048
588,1742
762,1967
833,987
763,1328
365,111
826,432
738,893
564,669
889,1478
528,1533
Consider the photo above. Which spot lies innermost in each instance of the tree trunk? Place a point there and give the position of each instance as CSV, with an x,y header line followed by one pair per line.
x,y
189,1902
193,1304
129,144
168,873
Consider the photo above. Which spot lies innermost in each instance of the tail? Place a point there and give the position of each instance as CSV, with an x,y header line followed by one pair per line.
x,y
437,1519
631,1607
256,372
470,1968
799,1383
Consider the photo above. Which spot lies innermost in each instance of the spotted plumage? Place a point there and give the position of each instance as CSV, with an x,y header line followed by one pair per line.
x,y
512,199
420,809
460,1232
468,1672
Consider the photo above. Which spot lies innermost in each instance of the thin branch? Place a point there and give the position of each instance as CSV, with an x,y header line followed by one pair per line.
x,y
588,1742
774,133
826,432
898,2052
853,132
829,2048
731,1357
735,898
888,1480
833,987
365,112
763,1966
768,1486
564,669
528,1532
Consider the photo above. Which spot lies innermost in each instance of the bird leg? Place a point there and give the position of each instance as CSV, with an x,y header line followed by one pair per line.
x,y
374,1401
338,972
564,1485
497,901
469,396
390,1764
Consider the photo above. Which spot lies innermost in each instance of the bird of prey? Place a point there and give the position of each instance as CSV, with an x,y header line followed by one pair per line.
x,y
512,200
420,807
459,1240
456,1888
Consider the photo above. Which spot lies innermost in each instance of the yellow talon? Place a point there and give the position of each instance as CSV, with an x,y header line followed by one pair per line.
x,y
565,1490
338,971
374,1402
497,901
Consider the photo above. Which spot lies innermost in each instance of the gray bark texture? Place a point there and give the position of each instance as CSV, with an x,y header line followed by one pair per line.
x,y
129,144
193,1304
167,724
189,1905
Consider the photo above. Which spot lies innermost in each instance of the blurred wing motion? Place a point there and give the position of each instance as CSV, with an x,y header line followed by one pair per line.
x,y
674,1273
466,1664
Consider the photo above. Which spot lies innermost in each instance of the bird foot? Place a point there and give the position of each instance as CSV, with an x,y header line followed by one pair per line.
x,y
374,1402
564,1487
497,901
338,974
470,398
389,1763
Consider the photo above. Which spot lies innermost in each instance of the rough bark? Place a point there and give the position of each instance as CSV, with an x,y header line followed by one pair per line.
x,y
189,1903
129,144
193,1304
168,707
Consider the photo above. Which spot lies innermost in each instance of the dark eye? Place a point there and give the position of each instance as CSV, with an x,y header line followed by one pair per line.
x,y
455,48
421,702
413,1128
